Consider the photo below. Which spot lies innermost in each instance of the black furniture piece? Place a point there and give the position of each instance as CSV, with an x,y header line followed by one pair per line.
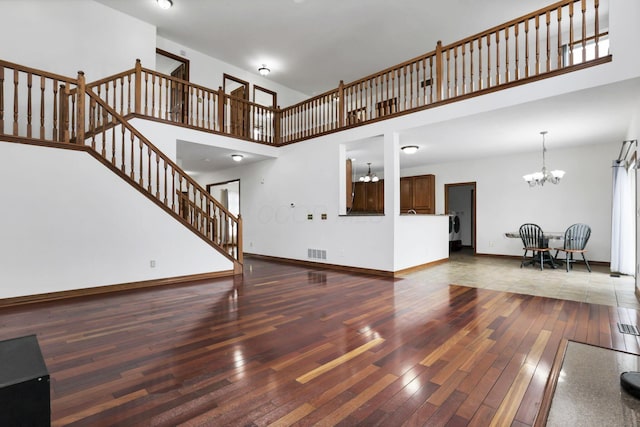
x,y
533,240
575,241
24,384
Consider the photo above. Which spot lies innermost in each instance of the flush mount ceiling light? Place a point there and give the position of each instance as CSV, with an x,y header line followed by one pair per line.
x,y
369,177
264,70
165,4
237,157
409,149
539,178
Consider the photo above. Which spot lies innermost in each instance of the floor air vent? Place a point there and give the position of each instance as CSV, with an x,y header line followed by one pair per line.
x,y
628,329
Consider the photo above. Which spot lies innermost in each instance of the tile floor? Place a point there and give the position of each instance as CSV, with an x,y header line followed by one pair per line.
x,y
505,274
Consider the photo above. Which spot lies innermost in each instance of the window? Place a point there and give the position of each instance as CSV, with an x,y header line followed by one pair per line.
x,y
589,51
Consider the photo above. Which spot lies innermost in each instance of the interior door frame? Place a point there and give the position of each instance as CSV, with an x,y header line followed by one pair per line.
x,y
178,90
274,95
175,57
244,111
474,231
208,188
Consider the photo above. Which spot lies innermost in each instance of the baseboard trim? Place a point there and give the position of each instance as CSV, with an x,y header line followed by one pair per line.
x,y
75,293
519,257
420,267
358,270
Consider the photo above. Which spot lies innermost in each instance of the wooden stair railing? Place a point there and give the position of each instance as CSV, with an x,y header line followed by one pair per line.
x,y
42,104
126,151
53,110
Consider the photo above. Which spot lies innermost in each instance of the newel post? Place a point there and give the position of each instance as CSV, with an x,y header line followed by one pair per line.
x,y
80,117
439,75
221,102
239,239
138,87
341,104
276,125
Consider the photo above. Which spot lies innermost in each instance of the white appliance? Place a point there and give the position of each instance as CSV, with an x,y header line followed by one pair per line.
x,y
455,233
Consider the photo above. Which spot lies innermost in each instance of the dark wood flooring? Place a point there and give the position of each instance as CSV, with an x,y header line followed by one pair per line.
x,y
289,345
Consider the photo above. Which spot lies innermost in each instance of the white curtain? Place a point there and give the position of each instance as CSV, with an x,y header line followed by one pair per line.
x,y
623,226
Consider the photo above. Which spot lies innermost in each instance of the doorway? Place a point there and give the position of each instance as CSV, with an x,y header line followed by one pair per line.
x,y
228,194
238,90
460,204
178,67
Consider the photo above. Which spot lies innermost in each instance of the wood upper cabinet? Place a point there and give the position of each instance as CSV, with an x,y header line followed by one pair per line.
x,y
418,193
406,194
368,197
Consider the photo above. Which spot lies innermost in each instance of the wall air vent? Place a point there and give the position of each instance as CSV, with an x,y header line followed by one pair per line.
x,y
316,254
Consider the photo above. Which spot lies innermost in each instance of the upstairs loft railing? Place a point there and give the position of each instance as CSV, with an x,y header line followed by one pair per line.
x,y
62,111
563,37
566,36
36,104
152,95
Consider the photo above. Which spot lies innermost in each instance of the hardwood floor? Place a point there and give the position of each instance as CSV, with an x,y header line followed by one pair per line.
x,y
289,345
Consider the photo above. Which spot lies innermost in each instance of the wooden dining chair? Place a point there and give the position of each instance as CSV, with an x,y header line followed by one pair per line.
x,y
534,241
575,241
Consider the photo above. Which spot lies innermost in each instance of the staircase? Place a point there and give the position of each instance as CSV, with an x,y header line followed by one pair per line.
x,y
68,114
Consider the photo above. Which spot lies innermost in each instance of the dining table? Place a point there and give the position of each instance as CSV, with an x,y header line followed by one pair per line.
x,y
547,235
550,235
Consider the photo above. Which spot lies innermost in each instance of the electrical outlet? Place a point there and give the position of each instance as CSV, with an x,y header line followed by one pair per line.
x,y
152,263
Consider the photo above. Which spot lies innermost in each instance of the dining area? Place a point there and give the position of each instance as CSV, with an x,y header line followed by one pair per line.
x,y
553,248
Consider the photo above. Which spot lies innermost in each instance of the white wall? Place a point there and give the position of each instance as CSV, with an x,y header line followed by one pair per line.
x,y
306,175
421,239
65,36
207,71
504,201
69,223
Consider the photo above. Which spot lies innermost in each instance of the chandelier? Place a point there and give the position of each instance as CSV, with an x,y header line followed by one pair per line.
x,y
539,178
369,177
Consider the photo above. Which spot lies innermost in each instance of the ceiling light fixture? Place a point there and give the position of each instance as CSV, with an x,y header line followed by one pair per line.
x,y
369,177
539,178
164,4
237,157
409,149
264,70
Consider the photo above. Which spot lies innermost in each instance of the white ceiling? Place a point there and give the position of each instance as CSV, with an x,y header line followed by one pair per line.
x,y
310,45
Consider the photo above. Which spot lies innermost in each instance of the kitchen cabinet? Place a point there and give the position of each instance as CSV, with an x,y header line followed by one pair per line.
x,y
368,197
418,193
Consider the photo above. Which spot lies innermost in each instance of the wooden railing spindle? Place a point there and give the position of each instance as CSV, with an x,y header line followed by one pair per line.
x,y
488,61
517,51
1,99
548,37
584,31
507,65
596,6
559,53
42,109
537,69
16,79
